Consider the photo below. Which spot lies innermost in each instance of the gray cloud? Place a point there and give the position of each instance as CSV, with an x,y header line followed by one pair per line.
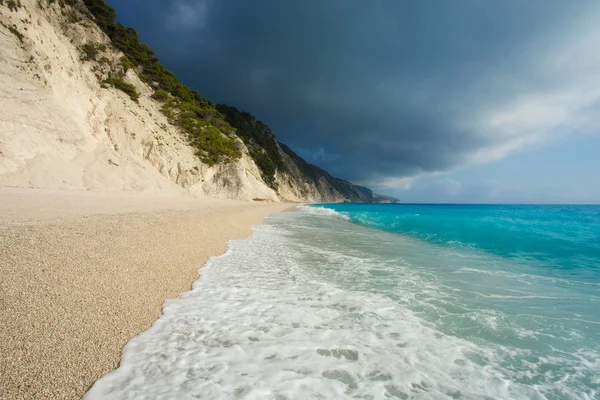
x,y
187,16
390,89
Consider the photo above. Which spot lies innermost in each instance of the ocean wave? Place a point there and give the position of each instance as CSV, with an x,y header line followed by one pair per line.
x,y
322,211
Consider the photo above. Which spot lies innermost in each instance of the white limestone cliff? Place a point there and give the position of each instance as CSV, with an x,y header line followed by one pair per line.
x,y
60,129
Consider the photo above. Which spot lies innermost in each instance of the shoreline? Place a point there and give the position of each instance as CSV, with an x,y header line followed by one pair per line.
x,y
83,273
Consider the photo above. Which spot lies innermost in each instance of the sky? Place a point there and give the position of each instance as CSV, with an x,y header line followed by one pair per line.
x,y
429,101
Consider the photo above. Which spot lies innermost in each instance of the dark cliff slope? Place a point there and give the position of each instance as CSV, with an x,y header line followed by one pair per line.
x,y
280,164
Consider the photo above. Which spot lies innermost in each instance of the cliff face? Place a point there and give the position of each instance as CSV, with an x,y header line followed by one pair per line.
x,y
76,114
287,173
305,180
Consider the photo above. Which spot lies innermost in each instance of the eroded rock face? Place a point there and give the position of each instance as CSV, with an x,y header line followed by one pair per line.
x,y
59,128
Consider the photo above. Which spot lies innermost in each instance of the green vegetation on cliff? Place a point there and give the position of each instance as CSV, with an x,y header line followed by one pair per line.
x,y
204,132
259,140
204,126
128,88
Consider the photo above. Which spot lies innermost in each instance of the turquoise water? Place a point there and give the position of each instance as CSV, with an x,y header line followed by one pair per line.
x,y
558,237
384,301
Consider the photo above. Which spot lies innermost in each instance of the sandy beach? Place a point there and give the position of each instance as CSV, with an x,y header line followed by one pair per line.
x,y
82,273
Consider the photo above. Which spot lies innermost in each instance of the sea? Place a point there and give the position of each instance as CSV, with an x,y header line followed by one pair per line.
x,y
391,301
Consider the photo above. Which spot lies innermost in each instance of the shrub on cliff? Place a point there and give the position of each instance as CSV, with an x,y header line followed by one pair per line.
x,y
161,95
125,87
90,51
126,64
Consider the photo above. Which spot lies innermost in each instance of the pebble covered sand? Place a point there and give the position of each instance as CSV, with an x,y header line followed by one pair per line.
x,y
81,274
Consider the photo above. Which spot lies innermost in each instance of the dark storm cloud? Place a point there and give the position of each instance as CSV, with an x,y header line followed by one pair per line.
x,y
381,89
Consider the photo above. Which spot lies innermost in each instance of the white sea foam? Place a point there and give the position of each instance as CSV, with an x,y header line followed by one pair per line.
x,y
278,317
322,211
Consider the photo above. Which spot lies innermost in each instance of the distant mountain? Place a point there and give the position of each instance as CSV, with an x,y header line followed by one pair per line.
x,y
377,198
